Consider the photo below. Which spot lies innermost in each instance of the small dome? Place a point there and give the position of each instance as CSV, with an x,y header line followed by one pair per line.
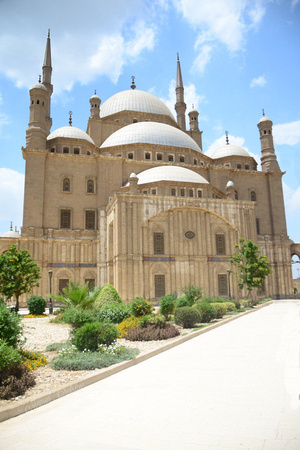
x,y
133,175
229,150
70,133
134,100
170,173
230,184
95,97
265,119
11,234
39,86
150,133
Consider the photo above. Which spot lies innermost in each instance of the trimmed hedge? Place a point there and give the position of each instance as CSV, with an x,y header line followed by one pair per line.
x,y
220,308
36,305
107,295
187,317
206,310
152,333
90,335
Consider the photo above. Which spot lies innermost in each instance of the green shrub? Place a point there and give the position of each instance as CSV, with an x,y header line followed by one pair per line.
x,y
15,381
230,306
114,313
156,320
152,333
182,301
141,307
77,317
91,360
208,299
187,317
56,346
90,335
167,305
9,356
10,328
236,303
36,305
220,308
107,295
206,310
192,293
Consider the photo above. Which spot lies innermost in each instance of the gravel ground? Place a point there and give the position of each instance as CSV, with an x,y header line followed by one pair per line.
x,y
39,333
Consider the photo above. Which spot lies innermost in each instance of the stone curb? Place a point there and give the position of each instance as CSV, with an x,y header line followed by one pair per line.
x,y
42,399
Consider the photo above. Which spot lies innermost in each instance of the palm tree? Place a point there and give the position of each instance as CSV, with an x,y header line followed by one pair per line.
x,y
78,296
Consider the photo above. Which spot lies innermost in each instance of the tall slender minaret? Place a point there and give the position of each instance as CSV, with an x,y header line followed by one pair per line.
x,y
40,121
47,72
268,157
180,106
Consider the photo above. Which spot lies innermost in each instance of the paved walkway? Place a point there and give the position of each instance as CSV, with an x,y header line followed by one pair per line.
x,y
235,387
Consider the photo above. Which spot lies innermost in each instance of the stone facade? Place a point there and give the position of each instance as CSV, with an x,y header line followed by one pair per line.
x,y
113,205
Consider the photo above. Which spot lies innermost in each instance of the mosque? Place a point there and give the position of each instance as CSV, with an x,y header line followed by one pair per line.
x,y
134,202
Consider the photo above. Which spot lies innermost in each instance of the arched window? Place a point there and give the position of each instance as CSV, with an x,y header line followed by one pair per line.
x,y
238,166
159,157
171,158
90,187
191,193
236,195
195,162
130,155
173,192
65,150
199,194
76,151
66,185
147,156
52,150
182,192
37,102
253,196
88,153
181,158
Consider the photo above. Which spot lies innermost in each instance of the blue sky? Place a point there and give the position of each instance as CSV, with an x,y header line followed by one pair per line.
x,y
237,57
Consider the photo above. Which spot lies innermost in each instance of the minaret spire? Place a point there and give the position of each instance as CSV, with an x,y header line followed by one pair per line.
x,y
47,73
180,105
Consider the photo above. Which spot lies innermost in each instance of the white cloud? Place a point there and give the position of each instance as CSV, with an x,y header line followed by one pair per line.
x,y
11,199
291,198
191,98
287,133
259,81
222,21
294,3
4,119
202,59
81,49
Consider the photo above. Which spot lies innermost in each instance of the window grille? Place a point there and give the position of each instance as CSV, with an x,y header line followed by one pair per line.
x,y
66,185
222,285
253,196
160,285
220,244
159,247
90,220
62,284
90,187
65,218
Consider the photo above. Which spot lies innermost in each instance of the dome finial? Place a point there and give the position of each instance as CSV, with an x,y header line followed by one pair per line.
x,y
70,119
95,92
11,226
40,78
177,56
133,86
48,32
263,112
227,139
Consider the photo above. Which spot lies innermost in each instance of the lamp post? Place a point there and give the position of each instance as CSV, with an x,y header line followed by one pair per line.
x,y
228,277
50,301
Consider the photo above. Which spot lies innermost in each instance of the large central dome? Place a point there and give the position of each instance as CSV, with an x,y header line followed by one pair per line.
x,y
134,100
151,133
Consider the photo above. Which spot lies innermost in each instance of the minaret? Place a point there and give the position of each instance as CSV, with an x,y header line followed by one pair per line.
x,y
180,106
47,72
95,106
194,119
268,157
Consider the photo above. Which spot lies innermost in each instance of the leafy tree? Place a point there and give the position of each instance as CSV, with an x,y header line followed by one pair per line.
x,y
192,293
252,266
18,273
